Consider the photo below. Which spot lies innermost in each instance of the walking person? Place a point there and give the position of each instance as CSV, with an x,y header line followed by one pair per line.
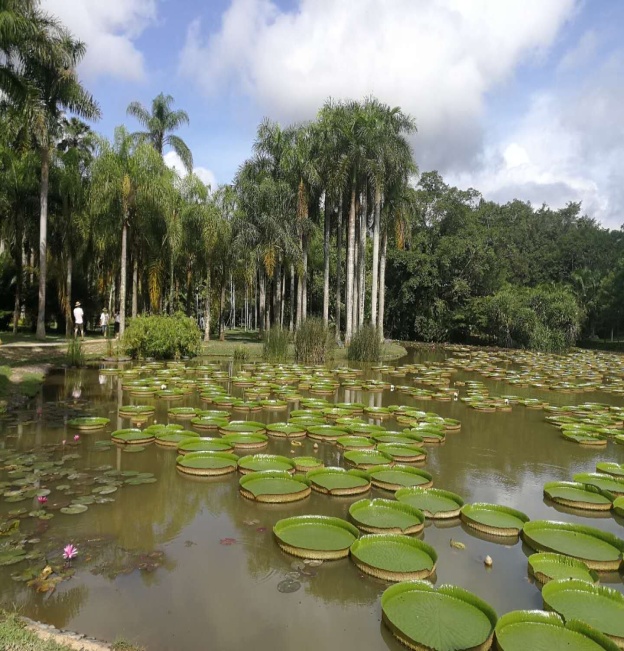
x,y
104,321
117,322
78,320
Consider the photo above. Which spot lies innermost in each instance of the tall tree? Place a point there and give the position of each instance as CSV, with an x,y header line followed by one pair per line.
x,y
159,124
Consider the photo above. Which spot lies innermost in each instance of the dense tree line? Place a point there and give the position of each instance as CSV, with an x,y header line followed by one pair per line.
x,y
326,218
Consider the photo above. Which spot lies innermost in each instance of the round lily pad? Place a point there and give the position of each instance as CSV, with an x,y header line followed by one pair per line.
x,y
403,452
351,442
578,496
493,519
75,508
546,566
618,506
326,433
609,468
392,478
599,606
182,412
132,437
86,423
305,464
136,412
260,462
247,441
366,459
286,430
315,536
274,486
207,464
608,483
445,619
243,427
196,444
394,557
208,422
599,550
532,629
433,502
338,481
386,516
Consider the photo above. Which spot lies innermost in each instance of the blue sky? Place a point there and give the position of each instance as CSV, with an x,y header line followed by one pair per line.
x,y
517,98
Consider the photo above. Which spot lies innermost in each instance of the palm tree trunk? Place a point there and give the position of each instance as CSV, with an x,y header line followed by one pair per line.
x,y
382,283
262,301
350,262
277,293
291,324
68,292
362,256
123,274
326,261
282,297
299,297
221,310
135,286
304,282
338,266
18,285
43,240
207,309
375,279
355,303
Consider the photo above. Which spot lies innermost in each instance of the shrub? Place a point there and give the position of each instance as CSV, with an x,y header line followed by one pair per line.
x,y
275,346
314,342
162,337
365,345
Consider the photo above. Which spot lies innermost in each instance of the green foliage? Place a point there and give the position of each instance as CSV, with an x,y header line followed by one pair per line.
x,y
314,342
365,345
275,345
75,353
162,337
546,318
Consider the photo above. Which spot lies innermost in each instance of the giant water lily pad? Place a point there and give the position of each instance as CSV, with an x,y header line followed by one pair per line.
x,y
546,566
338,481
182,413
315,536
326,432
132,437
243,427
172,438
209,422
305,464
247,441
274,486
365,459
599,606
196,444
286,430
540,631
403,452
260,462
599,550
136,412
433,502
394,557
608,483
351,442
610,468
207,464
393,478
578,496
386,516
446,619
86,423
493,519
618,506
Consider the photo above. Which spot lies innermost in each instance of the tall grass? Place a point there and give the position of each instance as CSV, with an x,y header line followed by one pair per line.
x,y
275,345
314,342
241,353
365,345
75,354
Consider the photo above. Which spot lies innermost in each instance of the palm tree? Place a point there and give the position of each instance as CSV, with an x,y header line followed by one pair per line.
x,y
126,185
159,125
52,88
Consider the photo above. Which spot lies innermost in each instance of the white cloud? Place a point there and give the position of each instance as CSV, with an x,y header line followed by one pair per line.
x,y
173,161
581,54
568,147
109,28
436,59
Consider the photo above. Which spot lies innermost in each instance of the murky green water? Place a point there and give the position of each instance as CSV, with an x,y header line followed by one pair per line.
x,y
216,583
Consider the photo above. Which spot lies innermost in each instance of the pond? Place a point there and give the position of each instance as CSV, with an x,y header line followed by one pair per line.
x,y
175,562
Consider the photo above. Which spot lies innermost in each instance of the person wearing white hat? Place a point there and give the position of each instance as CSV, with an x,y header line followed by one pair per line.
x,y
78,320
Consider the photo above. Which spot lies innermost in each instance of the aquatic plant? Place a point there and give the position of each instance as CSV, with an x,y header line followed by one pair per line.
x,y
275,345
314,342
365,345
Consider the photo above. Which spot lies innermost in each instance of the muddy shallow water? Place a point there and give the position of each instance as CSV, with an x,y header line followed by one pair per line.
x,y
214,584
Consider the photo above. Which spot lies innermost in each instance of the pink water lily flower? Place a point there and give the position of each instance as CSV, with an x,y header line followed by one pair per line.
x,y
42,499
69,552
76,437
